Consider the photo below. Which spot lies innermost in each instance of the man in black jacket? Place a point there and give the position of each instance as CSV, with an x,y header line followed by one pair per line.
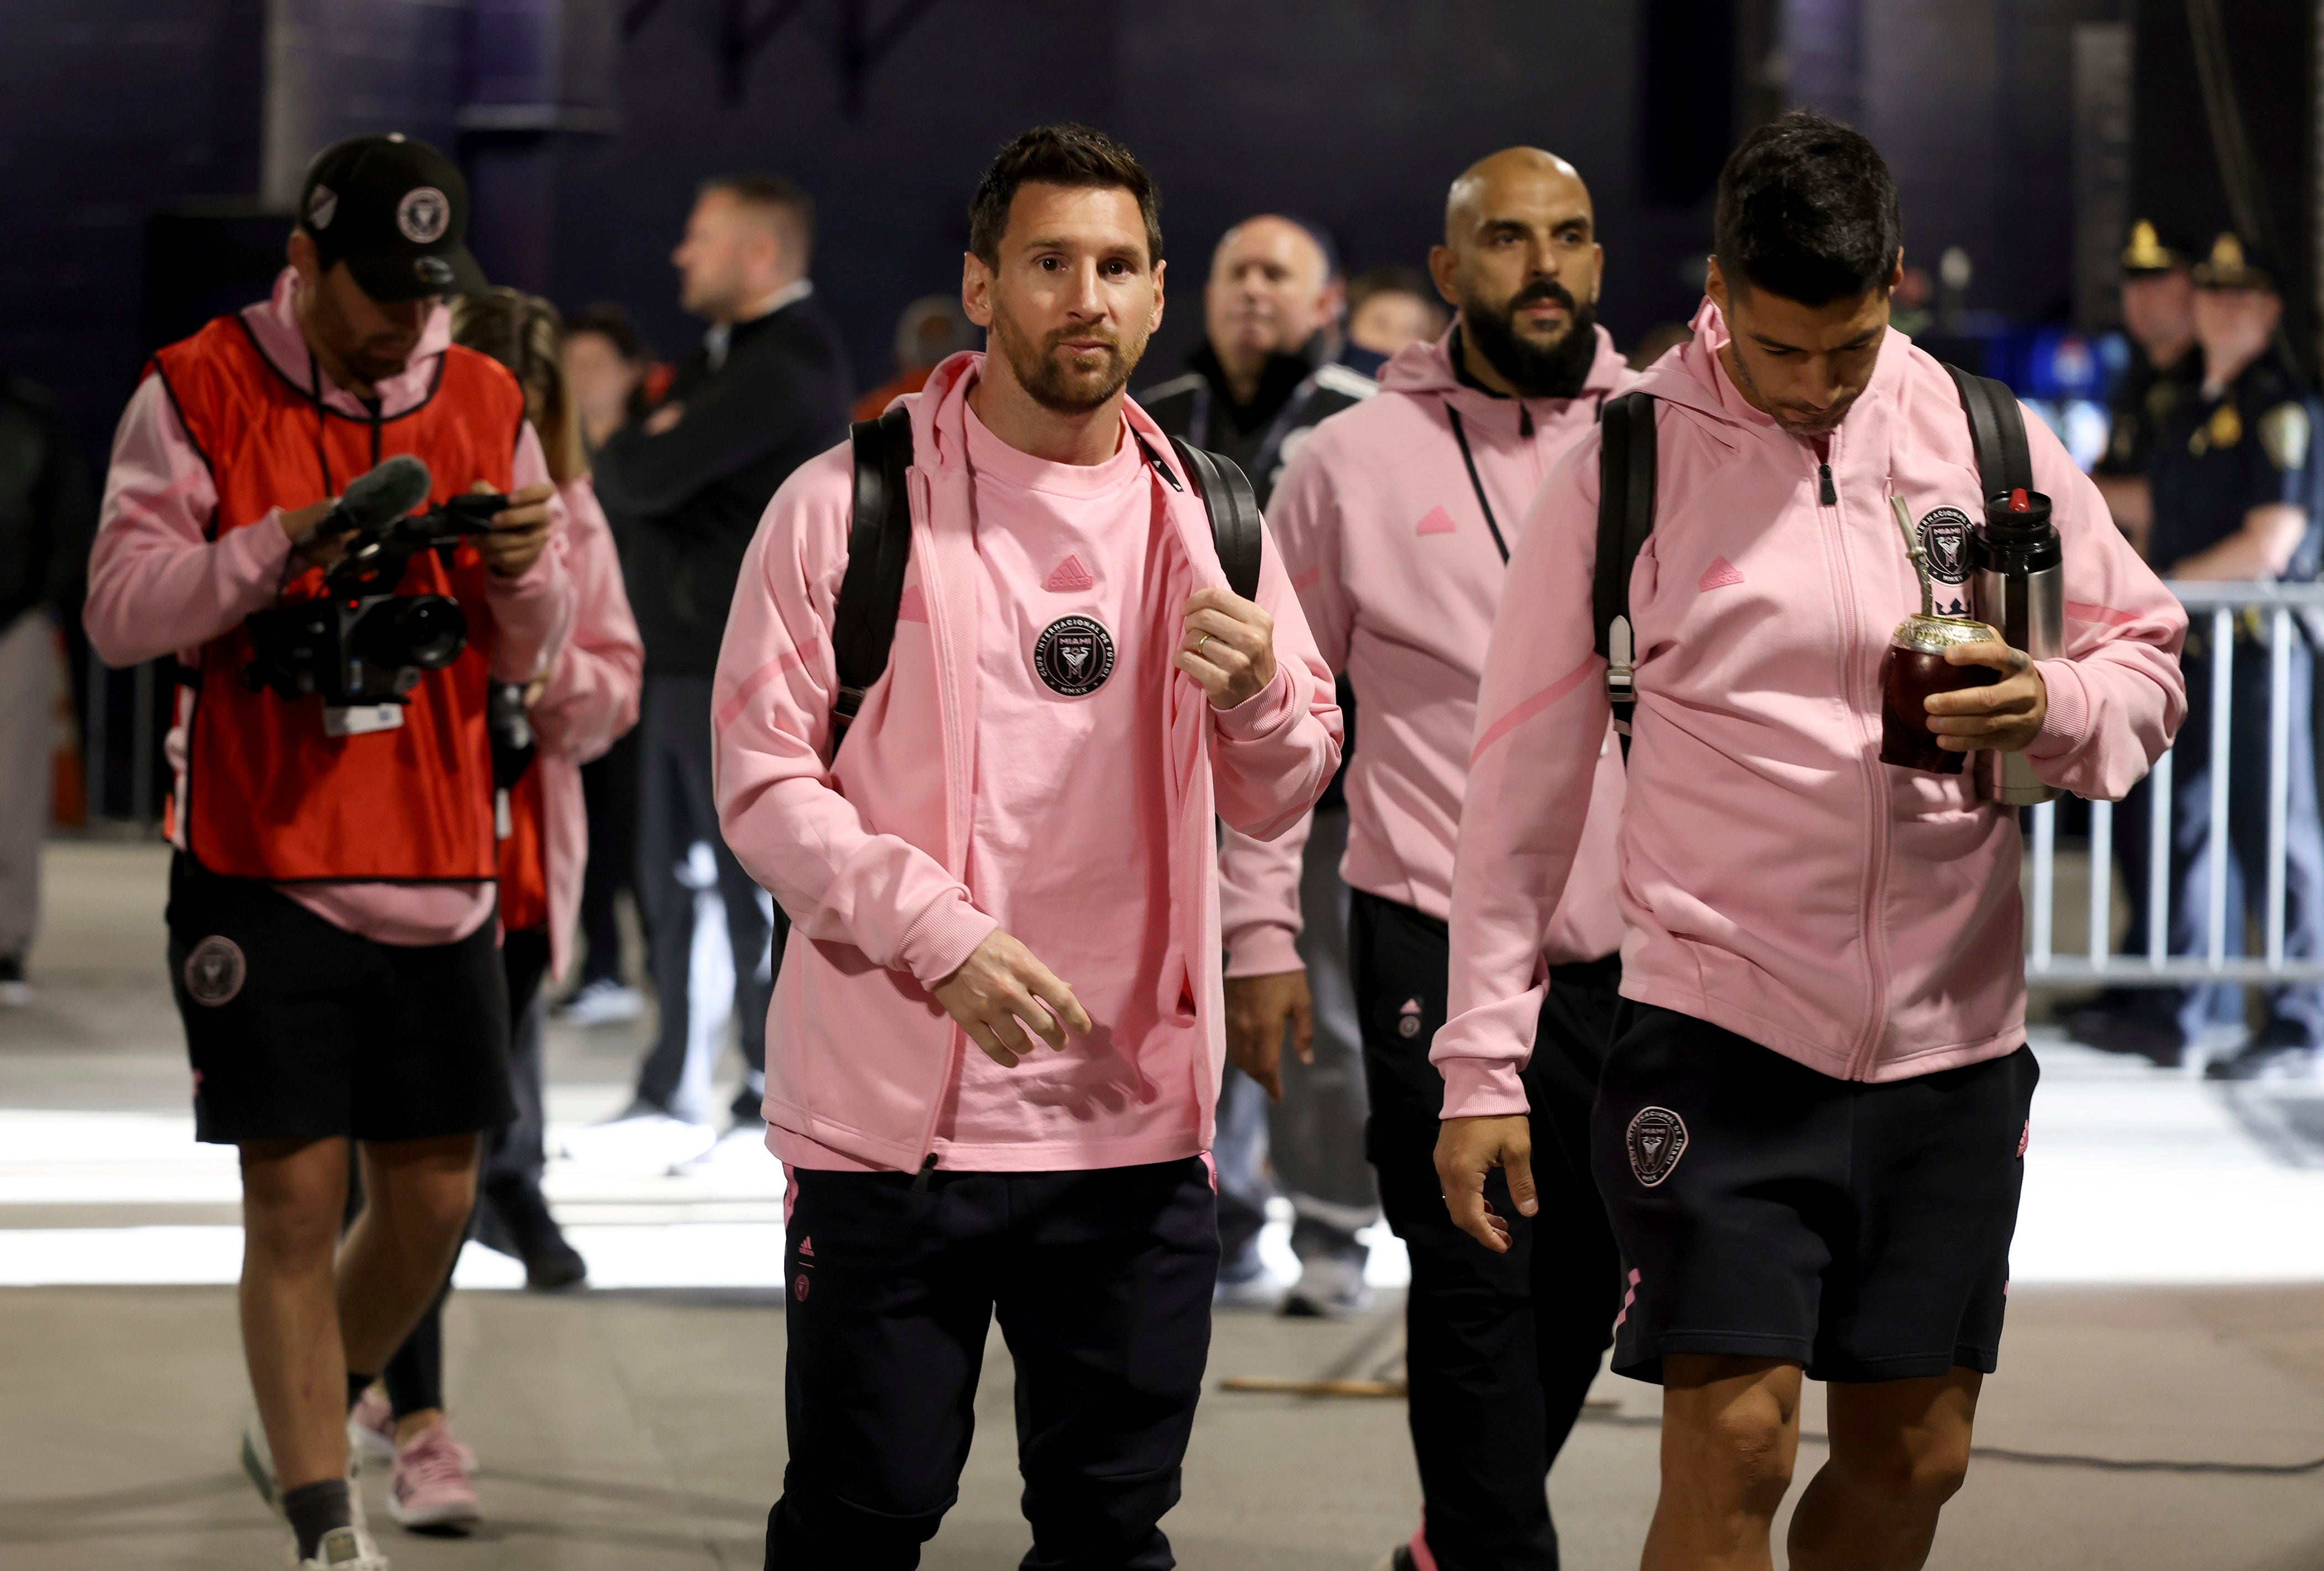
x,y
1261,380
46,519
684,488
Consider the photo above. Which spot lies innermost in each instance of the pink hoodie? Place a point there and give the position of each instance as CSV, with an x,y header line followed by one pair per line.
x,y
866,854
156,586
591,699
1398,574
1777,880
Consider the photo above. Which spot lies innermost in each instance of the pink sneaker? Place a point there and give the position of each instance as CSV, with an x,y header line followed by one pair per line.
x,y
370,1428
431,1487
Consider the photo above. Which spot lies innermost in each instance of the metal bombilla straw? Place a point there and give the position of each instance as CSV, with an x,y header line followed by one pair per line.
x,y
1912,548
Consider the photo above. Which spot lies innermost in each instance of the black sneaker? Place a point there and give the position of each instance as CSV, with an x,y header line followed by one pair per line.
x,y
15,991
2281,1051
517,1212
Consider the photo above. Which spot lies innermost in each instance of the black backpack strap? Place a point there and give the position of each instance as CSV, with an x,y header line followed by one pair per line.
x,y
1233,507
879,547
1997,428
1625,515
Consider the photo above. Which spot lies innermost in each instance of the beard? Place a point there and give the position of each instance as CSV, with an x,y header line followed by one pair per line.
x,y
1075,387
1538,371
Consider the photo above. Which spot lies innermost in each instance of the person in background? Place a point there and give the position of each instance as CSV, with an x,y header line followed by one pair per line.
x,y
1387,308
930,329
2166,370
684,489
587,697
611,371
611,374
2235,477
1394,520
1262,379
48,516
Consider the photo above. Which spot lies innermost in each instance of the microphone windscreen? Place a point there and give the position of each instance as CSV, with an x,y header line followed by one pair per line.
x,y
385,492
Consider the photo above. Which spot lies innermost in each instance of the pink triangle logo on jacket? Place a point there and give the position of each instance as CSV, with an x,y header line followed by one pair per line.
x,y
1070,577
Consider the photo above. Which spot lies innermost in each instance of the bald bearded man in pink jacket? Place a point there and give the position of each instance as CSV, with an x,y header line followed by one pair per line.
x,y
994,1058
1810,1130
1396,519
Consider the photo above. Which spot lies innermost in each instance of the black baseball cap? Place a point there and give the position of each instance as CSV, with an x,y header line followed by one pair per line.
x,y
396,211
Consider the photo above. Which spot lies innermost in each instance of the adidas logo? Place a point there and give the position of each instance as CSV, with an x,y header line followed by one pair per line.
x,y
1070,577
806,1249
1719,576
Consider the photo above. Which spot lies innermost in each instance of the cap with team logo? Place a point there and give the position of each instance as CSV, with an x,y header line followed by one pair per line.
x,y
396,211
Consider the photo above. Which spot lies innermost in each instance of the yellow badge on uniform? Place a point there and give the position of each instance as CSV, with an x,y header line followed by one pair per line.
x,y
2283,433
2225,428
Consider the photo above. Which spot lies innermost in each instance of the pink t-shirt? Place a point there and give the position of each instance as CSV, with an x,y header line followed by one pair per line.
x,y
1075,632
1074,650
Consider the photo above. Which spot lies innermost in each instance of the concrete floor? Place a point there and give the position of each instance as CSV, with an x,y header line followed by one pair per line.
x,y
2174,1422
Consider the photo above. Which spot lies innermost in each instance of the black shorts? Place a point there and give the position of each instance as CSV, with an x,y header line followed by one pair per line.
x,y
300,1030
1766,1210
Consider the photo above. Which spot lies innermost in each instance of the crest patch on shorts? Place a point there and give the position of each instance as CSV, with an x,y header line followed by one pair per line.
x,y
214,971
1074,655
1655,1140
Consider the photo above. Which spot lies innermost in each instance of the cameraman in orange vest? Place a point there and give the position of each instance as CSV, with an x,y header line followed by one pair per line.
x,y
332,944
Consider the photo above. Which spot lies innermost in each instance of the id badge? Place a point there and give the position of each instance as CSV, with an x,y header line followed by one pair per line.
x,y
360,719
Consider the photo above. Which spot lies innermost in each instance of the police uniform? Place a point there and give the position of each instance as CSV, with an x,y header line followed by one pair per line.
x,y
2150,393
2218,456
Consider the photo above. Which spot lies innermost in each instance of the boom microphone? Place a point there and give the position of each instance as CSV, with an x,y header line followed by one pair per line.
x,y
380,495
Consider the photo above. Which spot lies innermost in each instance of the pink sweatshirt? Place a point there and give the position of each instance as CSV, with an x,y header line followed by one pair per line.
x,y
1778,879
590,701
156,586
1398,574
868,855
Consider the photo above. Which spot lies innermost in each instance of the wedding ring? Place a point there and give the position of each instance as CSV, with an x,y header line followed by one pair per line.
x,y
1201,641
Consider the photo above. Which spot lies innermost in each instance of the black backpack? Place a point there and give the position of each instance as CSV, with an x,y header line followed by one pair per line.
x,y
1626,508
880,545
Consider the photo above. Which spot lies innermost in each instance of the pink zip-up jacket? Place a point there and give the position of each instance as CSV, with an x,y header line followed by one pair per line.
x,y
156,586
866,855
590,701
1778,880
1398,575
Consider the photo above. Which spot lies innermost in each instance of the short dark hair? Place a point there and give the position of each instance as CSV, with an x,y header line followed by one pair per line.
x,y
1059,155
791,209
611,322
1807,210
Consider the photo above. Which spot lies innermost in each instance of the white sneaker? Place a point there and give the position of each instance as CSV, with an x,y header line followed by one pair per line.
x,y
607,1001
343,1550
1330,1288
739,1150
370,1428
643,1143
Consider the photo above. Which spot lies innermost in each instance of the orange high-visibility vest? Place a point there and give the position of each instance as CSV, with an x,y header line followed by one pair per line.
x,y
269,795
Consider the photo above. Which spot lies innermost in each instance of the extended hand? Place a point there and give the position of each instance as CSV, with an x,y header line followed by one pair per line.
x,y
1467,1149
311,548
1228,646
519,531
1002,984
1257,1010
2004,718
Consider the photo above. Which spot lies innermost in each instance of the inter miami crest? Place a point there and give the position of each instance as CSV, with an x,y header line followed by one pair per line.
x,y
1656,1139
214,971
1074,655
1944,537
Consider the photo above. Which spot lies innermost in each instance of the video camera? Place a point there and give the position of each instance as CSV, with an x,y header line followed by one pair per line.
x,y
360,645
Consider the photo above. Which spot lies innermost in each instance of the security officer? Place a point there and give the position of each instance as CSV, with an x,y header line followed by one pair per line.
x,y
2235,481
2165,370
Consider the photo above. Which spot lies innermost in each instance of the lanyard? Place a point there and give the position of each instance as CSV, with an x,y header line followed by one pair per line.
x,y
1476,481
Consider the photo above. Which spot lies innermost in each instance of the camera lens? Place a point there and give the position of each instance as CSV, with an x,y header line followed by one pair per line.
x,y
426,630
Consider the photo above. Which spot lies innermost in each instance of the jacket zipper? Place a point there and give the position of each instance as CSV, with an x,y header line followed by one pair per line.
x,y
1875,875
939,634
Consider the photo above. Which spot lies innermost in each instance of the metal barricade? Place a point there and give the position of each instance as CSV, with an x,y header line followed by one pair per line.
x,y
2214,611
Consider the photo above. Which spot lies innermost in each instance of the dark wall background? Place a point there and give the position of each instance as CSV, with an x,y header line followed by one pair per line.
x,y
584,138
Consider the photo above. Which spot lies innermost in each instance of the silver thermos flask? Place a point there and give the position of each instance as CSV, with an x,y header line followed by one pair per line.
x,y
2017,583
